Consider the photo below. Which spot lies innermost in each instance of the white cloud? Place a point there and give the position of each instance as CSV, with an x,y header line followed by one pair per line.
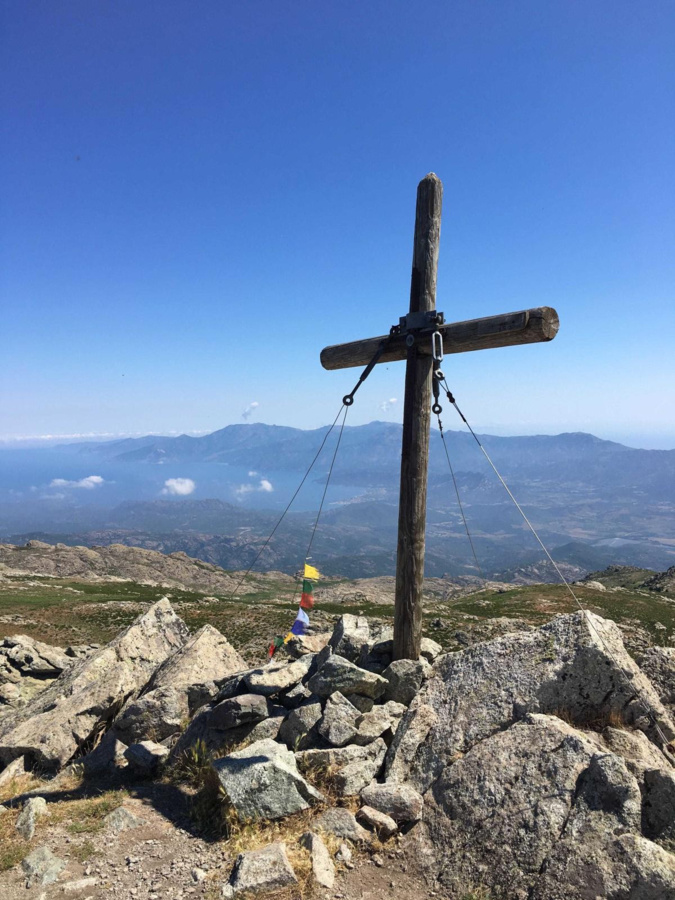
x,y
386,405
88,483
264,486
249,410
180,487
252,473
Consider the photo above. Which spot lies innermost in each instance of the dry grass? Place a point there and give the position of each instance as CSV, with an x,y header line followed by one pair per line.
x,y
79,816
597,722
86,816
68,780
19,785
82,852
477,893
12,847
325,779
192,766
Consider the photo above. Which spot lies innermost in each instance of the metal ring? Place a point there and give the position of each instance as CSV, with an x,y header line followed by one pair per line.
x,y
437,409
348,399
410,340
439,375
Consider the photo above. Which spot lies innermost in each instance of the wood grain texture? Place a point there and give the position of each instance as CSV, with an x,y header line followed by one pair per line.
x,y
415,442
528,326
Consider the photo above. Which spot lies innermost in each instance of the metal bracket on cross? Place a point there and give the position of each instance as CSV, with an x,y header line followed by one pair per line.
x,y
419,323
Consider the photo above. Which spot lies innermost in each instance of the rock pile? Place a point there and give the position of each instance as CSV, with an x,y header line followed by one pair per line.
x,y
331,714
95,692
28,666
525,765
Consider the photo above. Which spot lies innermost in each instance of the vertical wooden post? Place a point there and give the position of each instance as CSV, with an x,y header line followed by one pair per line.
x,y
416,418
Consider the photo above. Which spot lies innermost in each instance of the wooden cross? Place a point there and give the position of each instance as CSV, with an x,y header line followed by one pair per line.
x,y
525,327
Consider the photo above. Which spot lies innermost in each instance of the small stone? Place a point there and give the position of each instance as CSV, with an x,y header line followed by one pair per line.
x,y
342,824
344,854
404,677
108,756
295,697
197,875
146,756
42,867
33,808
430,649
276,677
302,644
157,714
242,710
267,869
13,770
322,865
377,656
373,725
400,801
338,674
378,860
363,704
382,824
338,723
81,884
262,781
298,730
355,766
349,635
121,819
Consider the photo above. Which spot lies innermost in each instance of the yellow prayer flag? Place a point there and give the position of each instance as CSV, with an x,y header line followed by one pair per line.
x,y
311,572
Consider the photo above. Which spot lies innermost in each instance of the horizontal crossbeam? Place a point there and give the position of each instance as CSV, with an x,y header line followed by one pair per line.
x,y
529,326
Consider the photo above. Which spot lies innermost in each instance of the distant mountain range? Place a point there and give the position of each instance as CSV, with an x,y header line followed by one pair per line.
x,y
594,502
371,454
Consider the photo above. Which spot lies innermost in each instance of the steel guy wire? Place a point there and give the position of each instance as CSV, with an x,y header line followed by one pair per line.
x,y
632,690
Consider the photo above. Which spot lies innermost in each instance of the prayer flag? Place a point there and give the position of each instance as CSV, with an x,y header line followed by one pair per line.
x,y
274,646
307,598
301,623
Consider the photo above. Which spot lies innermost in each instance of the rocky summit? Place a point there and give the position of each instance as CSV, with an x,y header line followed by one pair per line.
x,y
536,765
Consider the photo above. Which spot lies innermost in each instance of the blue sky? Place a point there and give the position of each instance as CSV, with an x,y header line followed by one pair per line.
x,y
199,195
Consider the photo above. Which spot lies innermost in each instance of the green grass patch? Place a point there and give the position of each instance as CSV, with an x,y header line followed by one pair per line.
x,y
66,611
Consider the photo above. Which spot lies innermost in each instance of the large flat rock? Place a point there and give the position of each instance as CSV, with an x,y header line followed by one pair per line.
x,y
182,684
262,781
575,666
541,810
206,659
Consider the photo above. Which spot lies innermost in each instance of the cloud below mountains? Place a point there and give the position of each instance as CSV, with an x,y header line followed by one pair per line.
x,y
264,486
179,487
88,483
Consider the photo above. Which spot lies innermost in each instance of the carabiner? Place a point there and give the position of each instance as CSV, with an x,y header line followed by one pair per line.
x,y
437,346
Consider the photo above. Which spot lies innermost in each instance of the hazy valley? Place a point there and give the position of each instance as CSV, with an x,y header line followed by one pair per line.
x,y
594,502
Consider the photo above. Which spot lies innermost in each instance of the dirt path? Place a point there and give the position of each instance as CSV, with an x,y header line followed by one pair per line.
x,y
163,856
